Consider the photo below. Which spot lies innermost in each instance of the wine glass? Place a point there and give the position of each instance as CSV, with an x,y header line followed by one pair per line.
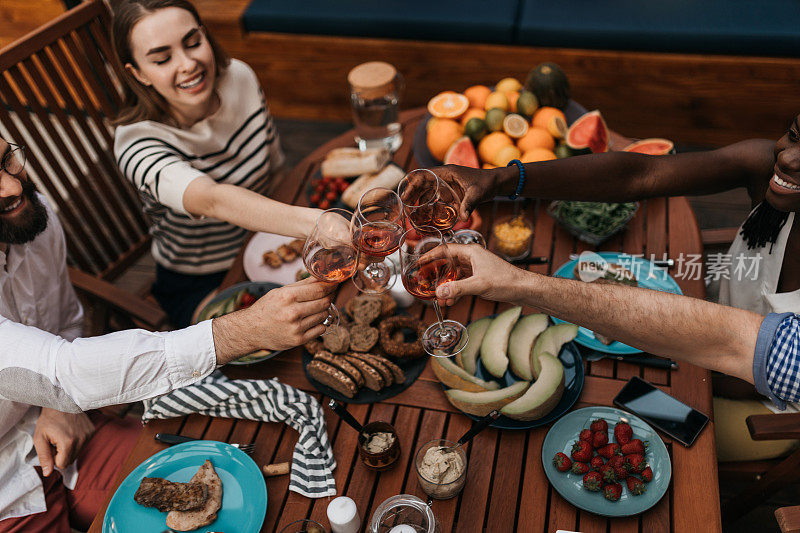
x,y
466,236
428,201
329,253
377,227
425,266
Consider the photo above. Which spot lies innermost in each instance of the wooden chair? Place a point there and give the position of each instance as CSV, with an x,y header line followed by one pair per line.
x,y
58,91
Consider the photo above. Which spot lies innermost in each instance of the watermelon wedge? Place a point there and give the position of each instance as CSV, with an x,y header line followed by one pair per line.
x,y
651,147
462,153
589,131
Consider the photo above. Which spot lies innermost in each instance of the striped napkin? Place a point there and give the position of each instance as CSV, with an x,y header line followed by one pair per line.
x,y
267,400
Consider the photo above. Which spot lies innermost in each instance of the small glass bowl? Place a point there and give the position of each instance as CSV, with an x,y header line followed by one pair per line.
x,y
304,526
512,236
403,509
431,487
381,460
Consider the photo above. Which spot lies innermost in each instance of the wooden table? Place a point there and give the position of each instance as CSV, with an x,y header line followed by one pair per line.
x,y
506,488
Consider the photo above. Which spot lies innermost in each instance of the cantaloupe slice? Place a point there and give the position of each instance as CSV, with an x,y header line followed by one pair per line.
x,y
520,343
543,395
468,357
550,341
483,403
456,377
495,342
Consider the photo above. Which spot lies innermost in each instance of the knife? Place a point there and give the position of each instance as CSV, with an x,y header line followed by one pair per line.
x,y
168,438
644,360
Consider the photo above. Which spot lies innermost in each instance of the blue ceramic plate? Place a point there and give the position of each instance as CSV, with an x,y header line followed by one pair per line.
x,y
244,494
565,432
648,276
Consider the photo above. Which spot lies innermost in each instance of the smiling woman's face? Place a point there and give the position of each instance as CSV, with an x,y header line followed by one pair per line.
x,y
173,55
784,187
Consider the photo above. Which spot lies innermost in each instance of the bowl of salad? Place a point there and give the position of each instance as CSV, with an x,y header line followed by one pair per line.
x,y
592,222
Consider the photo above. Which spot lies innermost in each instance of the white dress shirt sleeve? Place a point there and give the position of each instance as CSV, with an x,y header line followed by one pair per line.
x,y
39,368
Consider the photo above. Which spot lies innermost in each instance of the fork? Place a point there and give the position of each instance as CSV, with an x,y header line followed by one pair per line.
x,y
168,438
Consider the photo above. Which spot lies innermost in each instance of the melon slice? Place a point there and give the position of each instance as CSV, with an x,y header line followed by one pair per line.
x,y
468,357
495,342
456,377
651,147
483,403
543,395
520,343
589,131
550,341
462,152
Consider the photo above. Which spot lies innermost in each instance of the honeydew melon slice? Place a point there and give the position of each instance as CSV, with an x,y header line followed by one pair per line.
x,y
483,403
543,395
468,357
495,342
456,377
550,341
520,343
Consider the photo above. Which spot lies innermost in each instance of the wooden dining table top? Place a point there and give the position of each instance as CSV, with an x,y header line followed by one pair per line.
x,y
506,488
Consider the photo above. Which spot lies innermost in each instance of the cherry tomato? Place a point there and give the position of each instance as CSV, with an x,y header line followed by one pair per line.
x,y
319,188
315,198
331,196
342,186
324,204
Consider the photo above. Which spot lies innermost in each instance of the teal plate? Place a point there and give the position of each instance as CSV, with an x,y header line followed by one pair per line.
x,y
565,432
244,494
648,276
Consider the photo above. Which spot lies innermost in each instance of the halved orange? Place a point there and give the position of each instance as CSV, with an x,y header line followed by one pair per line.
x,y
448,104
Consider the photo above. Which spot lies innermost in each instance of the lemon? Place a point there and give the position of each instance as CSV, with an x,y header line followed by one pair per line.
x,y
515,126
508,84
505,155
527,104
496,99
475,129
494,118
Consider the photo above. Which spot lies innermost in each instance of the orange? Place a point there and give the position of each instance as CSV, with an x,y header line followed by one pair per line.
x,y
487,166
512,100
536,138
441,135
477,95
551,119
537,154
491,144
505,155
472,113
448,104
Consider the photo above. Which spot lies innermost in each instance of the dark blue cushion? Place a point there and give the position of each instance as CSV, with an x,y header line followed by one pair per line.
x,y
742,27
438,20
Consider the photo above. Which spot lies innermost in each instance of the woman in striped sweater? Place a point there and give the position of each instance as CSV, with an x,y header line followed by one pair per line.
x,y
199,144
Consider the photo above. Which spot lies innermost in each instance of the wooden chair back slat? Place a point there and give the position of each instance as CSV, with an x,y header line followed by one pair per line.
x,y
59,90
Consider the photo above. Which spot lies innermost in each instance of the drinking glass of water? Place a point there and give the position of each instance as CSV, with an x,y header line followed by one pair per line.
x,y
375,90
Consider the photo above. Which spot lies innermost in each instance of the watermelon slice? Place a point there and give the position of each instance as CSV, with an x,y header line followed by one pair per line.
x,y
651,147
589,131
462,153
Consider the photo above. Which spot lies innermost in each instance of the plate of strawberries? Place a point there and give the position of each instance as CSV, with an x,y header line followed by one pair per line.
x,y
606,461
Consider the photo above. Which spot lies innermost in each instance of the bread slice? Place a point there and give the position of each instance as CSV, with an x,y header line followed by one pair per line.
x,y
332,377
386,374
345,162
373,379
397,372
388,178
342,364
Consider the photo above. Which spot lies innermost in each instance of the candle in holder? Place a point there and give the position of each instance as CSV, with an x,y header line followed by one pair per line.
x,y
403,528
343,515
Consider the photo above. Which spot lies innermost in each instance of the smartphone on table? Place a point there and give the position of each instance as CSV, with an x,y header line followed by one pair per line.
x,y
662,411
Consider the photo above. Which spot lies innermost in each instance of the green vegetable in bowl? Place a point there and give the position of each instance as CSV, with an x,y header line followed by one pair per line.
x,y
593,221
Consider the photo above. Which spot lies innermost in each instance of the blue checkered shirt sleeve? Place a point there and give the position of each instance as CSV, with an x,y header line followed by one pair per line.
x,y
776,361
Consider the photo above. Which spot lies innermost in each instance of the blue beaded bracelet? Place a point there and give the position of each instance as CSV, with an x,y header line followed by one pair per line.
x,y
521,182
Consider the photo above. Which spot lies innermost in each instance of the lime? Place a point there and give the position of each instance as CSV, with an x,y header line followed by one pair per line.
x,y
515,125
494,118
563,151
527,104
475,129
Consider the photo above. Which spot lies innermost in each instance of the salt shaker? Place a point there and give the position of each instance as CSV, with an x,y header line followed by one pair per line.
x,y
343,515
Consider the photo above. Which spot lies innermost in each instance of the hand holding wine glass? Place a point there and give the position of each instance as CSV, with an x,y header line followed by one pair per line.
x,y
428,202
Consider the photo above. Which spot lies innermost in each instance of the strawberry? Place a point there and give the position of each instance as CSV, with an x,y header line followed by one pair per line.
x,y
599,439
635,463
562,462
612,491
599,425
623,432
596,462
586,435
607,472
647,475
581,451
617,464
579,468
609,450
634,446
635,485
592,481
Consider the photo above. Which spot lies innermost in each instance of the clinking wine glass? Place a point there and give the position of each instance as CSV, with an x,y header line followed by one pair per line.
x,y
329,253
425,266
428,201
378,226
